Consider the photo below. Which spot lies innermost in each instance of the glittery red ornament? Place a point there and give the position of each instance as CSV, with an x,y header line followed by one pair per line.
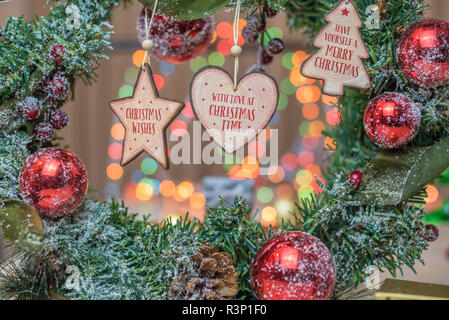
x,y
53,181
57,53
176,41
354,179
423,53
391,120
293,266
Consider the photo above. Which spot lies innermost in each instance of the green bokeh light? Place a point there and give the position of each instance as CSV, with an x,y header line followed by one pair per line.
x,y
283,101
131,75
197,63
304,128
126,91
216,59
287,60
287,87
148,166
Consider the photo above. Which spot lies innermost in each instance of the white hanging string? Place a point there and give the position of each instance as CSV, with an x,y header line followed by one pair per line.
x,y
236,41
147,34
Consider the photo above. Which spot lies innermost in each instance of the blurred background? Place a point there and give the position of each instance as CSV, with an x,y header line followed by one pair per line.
x,y
96,135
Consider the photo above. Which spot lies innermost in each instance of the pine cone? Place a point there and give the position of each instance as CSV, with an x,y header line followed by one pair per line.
x,y
213,277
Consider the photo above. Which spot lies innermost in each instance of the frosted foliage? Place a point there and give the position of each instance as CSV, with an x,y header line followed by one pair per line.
x,y
31,46
366,235
293,265
117,262
13,153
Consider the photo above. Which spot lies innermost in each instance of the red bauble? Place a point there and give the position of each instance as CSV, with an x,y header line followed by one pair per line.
x,y
423,53
177,41
293,266
53,181
57,53
354,179
391,120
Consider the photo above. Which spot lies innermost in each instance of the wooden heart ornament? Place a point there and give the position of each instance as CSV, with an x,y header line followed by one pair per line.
x,y
233,116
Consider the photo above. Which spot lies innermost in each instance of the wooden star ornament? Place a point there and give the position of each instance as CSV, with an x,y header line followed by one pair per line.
x,y
145,117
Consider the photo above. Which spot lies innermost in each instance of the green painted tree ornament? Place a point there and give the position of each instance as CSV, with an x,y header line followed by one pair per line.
x,y
187,9
21,224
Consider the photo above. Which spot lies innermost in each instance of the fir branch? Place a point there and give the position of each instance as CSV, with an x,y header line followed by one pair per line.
x,y
231,228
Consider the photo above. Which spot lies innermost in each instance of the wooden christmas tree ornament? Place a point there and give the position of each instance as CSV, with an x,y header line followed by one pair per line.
x,y
145,117
339,61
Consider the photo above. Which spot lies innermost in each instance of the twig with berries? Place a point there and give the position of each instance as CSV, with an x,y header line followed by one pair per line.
x,y
256,29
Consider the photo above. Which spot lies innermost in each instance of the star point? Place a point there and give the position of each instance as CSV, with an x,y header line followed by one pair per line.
x,y
145,117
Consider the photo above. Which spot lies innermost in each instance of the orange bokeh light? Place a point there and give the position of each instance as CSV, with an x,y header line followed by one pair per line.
x,y
167,188
276,174
298,58
224,30
329,100
118,131
306,94
185,189
197,200
310,111
432,193
298,79
138,57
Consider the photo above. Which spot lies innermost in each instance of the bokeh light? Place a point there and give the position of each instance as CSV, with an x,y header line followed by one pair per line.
x,y
118,131
114,171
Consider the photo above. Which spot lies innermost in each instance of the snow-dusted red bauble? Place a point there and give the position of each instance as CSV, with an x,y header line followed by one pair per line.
x,y
423,53
391,120
354,179
30,108
177,41
53,181
293,266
